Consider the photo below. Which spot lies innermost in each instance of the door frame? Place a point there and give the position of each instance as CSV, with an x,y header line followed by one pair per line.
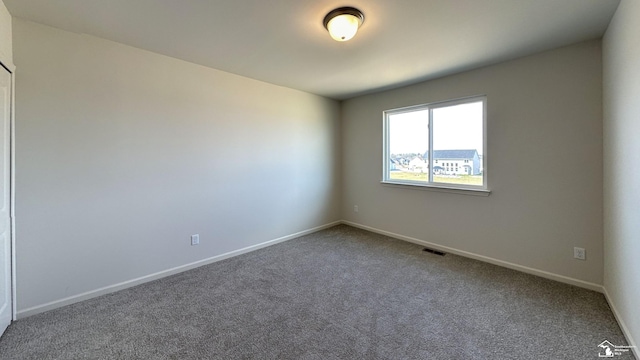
x,y
12,201
12,223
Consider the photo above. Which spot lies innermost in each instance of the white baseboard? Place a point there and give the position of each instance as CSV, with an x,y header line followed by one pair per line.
x,y
137,281
525,269
623,326
130,283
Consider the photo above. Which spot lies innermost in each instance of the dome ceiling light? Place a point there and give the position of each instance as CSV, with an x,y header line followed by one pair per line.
x,y
343,23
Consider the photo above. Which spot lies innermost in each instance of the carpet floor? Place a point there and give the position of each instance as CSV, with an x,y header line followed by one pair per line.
x,y
341,293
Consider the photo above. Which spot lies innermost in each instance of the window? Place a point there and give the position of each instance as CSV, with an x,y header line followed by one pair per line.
x,y
447,132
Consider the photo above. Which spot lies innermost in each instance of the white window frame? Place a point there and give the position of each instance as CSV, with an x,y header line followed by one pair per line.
x,y
430,185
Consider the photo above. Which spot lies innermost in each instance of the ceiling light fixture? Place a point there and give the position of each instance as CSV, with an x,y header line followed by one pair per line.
x,y
343,23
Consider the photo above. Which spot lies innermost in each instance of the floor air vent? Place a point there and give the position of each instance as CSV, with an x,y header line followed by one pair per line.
x,y
434,251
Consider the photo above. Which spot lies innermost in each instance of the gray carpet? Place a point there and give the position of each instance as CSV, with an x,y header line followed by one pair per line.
x,y
341,293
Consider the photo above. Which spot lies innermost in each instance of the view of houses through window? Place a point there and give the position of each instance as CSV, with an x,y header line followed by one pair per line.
x,y
456,143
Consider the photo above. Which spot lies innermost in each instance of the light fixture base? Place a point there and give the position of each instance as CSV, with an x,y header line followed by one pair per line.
x,y
344,11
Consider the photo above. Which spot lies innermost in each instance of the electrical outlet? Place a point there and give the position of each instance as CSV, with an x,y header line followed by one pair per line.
x,y
195,239
355,208
579,253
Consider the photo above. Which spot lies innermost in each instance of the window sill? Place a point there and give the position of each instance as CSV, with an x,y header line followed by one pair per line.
x,y
438,188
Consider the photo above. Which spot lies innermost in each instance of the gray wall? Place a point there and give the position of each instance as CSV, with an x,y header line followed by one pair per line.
x,y
122,154
544,166
621,57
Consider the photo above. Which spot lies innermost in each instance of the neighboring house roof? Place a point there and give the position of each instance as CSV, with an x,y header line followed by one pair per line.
x,y
453,154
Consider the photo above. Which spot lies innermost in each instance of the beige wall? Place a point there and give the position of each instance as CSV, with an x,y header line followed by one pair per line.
x,y
122,154
544,166
6,51
621,59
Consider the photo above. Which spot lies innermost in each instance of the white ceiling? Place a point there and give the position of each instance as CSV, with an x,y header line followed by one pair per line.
x,y
283,42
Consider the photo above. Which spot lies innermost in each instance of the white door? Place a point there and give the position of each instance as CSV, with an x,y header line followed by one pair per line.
x,y
5,195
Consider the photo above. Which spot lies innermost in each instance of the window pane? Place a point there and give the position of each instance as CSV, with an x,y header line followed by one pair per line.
x,y
458,139
409,146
